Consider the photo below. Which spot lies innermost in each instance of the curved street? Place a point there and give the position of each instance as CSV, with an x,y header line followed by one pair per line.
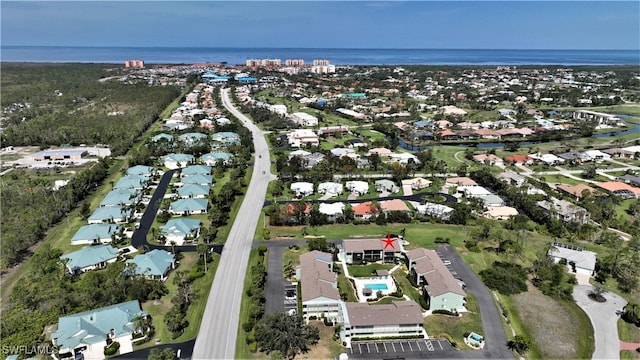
x,y
219,326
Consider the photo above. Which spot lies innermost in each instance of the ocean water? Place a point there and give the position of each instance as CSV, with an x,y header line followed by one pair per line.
x,y
191,55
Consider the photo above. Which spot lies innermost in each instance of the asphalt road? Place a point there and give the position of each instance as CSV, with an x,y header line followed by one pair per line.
x,y
495,339
275,283
185,349
219,327
139,237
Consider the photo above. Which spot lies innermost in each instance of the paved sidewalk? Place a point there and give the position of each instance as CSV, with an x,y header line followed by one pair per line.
x,y
629,346
604,320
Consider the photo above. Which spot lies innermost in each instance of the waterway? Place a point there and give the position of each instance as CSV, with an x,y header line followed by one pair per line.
x,y
635,128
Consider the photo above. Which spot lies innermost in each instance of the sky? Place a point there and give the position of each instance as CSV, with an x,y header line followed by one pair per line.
x,y
555,25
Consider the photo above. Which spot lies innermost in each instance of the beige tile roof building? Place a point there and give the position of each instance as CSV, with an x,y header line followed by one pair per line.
x,y
318,285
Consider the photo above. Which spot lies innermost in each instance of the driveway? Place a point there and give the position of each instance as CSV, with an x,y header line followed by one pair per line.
x,y
603,319
495,338
274,289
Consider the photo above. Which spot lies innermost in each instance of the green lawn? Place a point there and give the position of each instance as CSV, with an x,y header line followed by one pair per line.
x,y
345,286
628,332
454,325
242,349
367,270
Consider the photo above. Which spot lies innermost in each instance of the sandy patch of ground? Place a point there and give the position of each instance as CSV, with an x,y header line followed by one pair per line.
x,y
321,349
549,324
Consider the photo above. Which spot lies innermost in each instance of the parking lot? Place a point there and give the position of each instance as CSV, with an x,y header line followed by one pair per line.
x,y
393,349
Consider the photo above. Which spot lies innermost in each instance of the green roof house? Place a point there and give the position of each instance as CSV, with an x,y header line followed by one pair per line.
x,y
87,332
189,206
179,230
212,158
153,265
90,258
109,214
95,234
193,191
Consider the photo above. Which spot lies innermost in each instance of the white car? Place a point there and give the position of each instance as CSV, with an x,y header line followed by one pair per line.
x,y
446,262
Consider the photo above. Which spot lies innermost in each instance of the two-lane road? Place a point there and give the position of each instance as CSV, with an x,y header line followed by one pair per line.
x,y
219,327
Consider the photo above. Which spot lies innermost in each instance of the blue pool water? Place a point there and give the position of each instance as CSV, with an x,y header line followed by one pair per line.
x,y
376,286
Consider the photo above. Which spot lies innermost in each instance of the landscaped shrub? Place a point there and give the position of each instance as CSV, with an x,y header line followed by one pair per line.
x,y
505,277
423,303
313,317
444,312
248,326
448,337
111,349
253,347
440,240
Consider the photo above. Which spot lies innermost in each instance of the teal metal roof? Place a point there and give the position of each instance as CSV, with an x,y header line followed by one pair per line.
x,y
120,197
90,256
196,169
130,182
189,205
140,170
154,263
183,158
91,326
162,136
198,179
215,156
193,190
93,232
107,213
180,227
226,137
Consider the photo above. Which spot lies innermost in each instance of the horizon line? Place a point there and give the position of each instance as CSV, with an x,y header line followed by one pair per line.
x,y
302,48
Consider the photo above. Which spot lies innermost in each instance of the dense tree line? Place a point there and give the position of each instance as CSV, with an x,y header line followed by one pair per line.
x,y
30,208
48,292
68,105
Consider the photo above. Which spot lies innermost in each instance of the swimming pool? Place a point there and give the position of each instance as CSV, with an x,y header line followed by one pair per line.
x,y
376,286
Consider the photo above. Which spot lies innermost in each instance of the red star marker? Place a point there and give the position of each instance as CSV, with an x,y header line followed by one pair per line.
x,y
388,242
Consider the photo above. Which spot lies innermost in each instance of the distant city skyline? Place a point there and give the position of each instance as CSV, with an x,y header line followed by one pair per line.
x,y
552,25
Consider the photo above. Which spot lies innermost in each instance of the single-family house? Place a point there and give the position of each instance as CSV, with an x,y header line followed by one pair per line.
x,y
357,187
142,170
212,158
576,191
512,178
382,152
519,159
416,183
404,158
618,188
197,179
440,289
196,191
580,260
153,265
435,210
302,137
633,180
121,197
90,258
386,185
181,229
340,152
206,124
163,137
175,161
565,210
110,214
303,119
96,234
499,212
84,335
488,159
193,138
225,138
396,320
332,210
318,285
302,188
330,188
548,159
333,130
371,250
394,205
189,206
196,170
460,181
131,182
365,210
